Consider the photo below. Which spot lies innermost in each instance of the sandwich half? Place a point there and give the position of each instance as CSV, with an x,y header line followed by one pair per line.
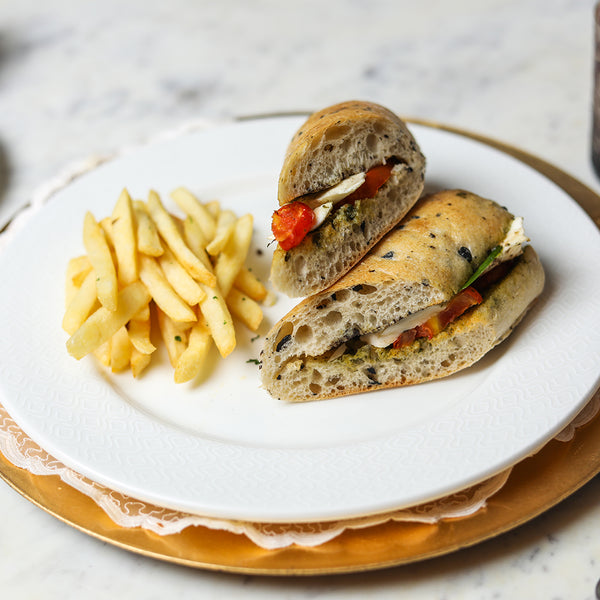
x,y
350,174
433,297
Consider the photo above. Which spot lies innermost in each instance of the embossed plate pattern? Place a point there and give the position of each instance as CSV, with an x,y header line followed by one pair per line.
x,y
224,448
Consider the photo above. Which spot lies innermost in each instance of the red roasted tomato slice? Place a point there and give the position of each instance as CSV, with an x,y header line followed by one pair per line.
x,y
291,223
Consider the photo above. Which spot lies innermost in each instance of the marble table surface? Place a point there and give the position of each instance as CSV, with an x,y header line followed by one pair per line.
x,y
85,78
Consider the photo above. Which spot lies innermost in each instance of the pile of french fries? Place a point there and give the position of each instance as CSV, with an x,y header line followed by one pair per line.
x,y
145,265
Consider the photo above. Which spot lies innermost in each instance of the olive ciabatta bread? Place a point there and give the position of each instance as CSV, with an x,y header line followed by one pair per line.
x,y
350,174
433,297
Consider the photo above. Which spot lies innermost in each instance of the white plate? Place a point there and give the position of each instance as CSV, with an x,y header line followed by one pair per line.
x,y
223,447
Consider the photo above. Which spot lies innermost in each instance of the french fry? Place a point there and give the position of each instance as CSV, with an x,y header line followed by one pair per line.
x,y
247,282
175,337
196,241
183,283
214,208
161,291
124,240
231,259
77,269
143,260
139,335
102,324
192,358
170,233
143,314
120,350
102,353
245,309
82,304
139,361
223,231
101,260
214,308
148,240
193,208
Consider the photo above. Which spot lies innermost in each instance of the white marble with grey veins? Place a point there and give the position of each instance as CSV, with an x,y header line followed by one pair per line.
x,y
86,78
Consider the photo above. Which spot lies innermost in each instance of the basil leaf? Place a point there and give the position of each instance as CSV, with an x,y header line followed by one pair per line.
x,y
483,266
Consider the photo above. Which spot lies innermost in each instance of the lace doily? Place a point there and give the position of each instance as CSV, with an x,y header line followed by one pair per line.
x,y
128,512
125,511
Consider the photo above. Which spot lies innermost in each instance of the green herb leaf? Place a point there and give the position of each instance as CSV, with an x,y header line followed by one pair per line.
x,y
483,266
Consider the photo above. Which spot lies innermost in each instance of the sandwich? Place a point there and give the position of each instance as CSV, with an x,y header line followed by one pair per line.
x,y
350,174
433,297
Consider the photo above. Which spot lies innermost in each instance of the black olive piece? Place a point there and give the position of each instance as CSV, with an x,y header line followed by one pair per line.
x,y
389,254
285,340
465,253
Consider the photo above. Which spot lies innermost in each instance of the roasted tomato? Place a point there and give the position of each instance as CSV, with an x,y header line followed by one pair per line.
x,y
406,338
374,179
291,223
456,307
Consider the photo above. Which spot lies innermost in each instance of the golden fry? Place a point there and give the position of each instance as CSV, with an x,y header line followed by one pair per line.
x,y
193,208
194,238
225,227
102,324
77,269
183,283
82,304
247,282
230,261
139,361
120,350
143,314
148,240
102,353
170,233
101,260
139,335
219,320
245,309
161,291
174,336
192,358
124,240
214,208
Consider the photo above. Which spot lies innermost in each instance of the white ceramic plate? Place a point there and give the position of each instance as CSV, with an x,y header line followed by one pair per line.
x,y
222,447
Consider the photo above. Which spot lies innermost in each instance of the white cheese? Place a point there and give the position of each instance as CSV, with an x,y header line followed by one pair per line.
x,y
382,339
512,244
323,202
321,213
338,192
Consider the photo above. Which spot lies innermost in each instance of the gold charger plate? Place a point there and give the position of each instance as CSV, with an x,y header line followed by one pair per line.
x,y
535,485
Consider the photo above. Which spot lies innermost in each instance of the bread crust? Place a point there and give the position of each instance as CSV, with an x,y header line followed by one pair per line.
x,y
407,271
341,140
333,144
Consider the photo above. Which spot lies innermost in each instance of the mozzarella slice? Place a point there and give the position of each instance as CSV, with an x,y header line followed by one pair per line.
x,y
321,213
323,202
382,339
512,244
338,192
